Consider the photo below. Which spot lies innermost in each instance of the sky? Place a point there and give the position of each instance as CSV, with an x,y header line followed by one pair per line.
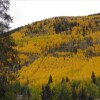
x,y
28,11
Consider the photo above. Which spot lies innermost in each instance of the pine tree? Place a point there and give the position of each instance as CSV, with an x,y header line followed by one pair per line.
x,y
46,92
67,79
75,84
8,56
50,79
5,18
82,93
74,94
93,77
62,81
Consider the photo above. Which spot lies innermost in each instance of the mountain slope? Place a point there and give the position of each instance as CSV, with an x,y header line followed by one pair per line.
x,y
61,47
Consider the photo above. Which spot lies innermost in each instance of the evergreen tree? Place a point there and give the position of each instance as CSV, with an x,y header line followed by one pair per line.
x,y
5,18
8,56
82,93
67,79
62,81
74,94
75,85
46,92
93,78
50,79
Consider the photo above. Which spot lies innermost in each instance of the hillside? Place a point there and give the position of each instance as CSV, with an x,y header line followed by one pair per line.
x,y
59,46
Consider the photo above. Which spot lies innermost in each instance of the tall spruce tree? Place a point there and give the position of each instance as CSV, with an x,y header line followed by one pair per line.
x,y
8,56
46,92
50,79
5,17
93,77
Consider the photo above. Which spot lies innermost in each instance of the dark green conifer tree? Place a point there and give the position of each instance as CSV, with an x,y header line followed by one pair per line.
x,y
93,78
50,79
46,92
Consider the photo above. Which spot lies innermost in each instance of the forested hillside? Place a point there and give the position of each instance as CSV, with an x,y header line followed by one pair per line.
x,y
59,46
60,54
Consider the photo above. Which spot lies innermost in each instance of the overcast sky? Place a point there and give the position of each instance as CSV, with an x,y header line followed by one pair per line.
x,y
28,11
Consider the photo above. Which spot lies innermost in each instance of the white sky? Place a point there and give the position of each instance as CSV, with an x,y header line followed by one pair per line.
x,y
28,11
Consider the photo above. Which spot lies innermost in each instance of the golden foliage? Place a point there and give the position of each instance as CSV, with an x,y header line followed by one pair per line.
x,y
50,47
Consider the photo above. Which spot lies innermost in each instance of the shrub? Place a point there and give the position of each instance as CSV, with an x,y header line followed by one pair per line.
x,y
35,93
91,91
62,92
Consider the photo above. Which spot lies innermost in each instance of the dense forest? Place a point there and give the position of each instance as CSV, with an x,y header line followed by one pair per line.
x,y
52,59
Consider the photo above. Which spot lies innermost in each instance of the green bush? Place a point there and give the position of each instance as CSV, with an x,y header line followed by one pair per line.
x,y
91,91
62,92
35,93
